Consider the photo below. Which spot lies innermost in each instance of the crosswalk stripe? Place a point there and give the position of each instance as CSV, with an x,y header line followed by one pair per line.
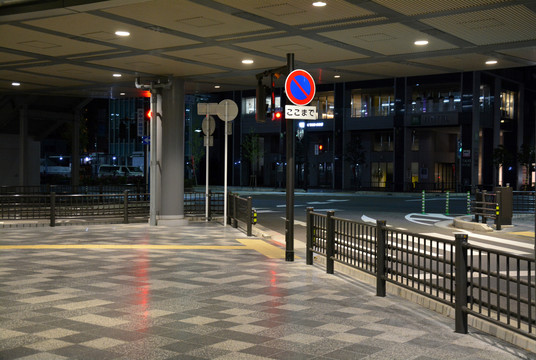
x,y
485,244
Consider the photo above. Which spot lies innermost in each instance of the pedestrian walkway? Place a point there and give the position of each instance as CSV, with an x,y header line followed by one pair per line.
x,y
202,291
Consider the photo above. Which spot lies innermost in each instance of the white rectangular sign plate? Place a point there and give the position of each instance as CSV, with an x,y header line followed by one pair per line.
x,y
300,112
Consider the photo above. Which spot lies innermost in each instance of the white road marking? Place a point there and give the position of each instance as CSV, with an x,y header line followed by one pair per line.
x,y
422,218
296,222
485,244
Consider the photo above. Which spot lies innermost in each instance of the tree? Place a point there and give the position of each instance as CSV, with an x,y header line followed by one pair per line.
x,y
197,152
354,154
525,157
251,151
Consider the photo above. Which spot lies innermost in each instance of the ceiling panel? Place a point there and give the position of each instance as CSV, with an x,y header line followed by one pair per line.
x,y
299,12
391,69
388,39
225,57
523,53
79,72
418,7
494,26
465,62
188,17
304,49
6,57
26,79
148,64
45,44
103,29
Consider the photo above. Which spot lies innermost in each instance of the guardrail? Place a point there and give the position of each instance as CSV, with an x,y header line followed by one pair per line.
x,y
486,206
489,284
241,212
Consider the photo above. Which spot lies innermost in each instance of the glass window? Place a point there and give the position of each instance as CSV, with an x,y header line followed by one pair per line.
x,y
381,174
325,103
508,104
435,98
373,102
383,142
249,105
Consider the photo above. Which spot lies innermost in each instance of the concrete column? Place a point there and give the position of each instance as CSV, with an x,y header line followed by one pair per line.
x,y
172,163
496,122
23,145
475,131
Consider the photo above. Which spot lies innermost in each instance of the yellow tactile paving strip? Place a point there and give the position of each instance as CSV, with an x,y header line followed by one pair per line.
x,y
260,246
524,233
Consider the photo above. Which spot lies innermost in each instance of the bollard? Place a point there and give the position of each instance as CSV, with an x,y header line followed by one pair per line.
x,y
250,222
469,203
447,204
498,212
460,306
330,242
309,236
423,201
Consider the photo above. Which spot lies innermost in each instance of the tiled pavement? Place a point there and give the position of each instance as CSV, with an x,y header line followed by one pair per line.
x,y
196,292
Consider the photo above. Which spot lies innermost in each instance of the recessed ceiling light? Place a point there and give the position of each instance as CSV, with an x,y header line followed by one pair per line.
x,y
247,61
15,83
122,94
491,62
421,42
319,3
337,76
122,33
217,86
117,75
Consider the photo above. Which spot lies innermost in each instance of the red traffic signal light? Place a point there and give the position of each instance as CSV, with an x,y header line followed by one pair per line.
x,y
320,147
278,115
149,115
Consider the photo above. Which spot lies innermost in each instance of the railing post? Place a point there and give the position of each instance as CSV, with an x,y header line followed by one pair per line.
x,y
249,217
209,212
469,203
52,209
461,284
309,236
497,211
125,207
380,257
234,221
423,202
330,242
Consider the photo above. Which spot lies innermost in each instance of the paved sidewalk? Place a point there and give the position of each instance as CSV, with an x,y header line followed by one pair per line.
x,y
202,291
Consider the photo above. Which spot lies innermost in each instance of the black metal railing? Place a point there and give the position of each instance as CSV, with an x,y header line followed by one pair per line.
x,y
69,189
124,205
493,285
241,212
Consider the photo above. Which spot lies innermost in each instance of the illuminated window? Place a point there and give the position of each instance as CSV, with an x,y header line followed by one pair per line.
x,y
325,103
508,104
374,102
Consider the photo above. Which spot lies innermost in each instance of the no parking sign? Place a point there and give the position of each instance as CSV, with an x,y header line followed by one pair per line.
x,y
300,87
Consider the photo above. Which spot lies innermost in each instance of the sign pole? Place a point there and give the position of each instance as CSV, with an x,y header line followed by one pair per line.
x,y
207,200
225,169
289,223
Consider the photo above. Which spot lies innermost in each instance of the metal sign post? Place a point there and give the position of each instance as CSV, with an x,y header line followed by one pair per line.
x,y
208,126
227,111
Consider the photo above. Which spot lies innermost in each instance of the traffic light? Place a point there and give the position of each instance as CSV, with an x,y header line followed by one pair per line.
x,y
148,115
320,147
278,115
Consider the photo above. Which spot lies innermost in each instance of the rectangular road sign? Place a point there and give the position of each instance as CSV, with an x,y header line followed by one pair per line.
x,y
300,112
207,108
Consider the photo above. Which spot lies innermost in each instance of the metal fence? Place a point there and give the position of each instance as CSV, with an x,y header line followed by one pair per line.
x,y
68,206
240,212
69,189
493,285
